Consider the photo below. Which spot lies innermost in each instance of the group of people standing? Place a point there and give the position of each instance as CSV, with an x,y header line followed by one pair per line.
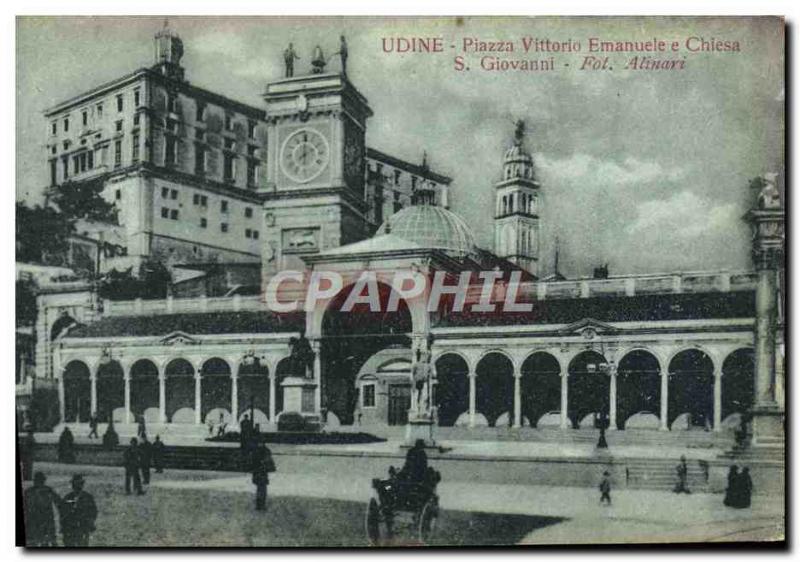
x,y
138,459
77,513
740,488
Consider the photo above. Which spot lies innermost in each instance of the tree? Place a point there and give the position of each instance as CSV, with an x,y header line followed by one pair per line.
x,y
152,282
84,200
42,234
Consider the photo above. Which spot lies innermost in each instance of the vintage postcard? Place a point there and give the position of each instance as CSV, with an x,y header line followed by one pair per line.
x,y
400,281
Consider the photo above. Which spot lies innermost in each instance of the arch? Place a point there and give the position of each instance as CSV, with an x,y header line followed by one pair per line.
x,y
738,382
216,388
179,388
638,385
691,387
253,389
494,385
77,391
144,386
588,387
452,387
540,386
110,389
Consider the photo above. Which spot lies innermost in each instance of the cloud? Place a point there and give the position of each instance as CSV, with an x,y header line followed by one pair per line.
x,y
605,171
685,215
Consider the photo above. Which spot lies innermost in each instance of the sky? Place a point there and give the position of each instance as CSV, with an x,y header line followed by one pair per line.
x,y
644,170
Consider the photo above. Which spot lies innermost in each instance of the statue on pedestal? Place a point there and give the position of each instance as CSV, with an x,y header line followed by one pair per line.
x,y
301,357
289,57
421,375
343,53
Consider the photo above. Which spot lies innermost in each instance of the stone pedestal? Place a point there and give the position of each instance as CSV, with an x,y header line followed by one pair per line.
x,y
419,427
298,395
767,425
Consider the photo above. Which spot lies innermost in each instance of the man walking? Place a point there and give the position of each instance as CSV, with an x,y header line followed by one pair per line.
x,y
141,431
605,489
262,466
40,524
131,460
66,444
683,477
93,426
78,514
158,455
146,456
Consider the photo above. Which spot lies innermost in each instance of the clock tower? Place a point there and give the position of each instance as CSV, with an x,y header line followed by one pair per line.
x,y
315,168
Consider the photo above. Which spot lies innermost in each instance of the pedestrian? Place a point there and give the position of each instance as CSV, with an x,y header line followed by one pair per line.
x,y
744,489
221,426
263,464
605,488
210,424
244,433
142,429
66,446
93,426
40,523
730,491
158,455
683,477
27,446
78,515
146,457
131,460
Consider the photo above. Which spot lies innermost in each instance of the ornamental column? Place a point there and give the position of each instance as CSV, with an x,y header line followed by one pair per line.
x,y
664,395
271,396
61,397
517,397
93,392
612,396
471,375
564,400
197,398
767,220
234,397
315,346
126,378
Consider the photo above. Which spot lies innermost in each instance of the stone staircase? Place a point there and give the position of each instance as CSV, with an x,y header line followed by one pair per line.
x,y
661,474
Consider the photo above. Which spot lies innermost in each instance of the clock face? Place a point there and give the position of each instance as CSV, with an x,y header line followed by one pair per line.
x,y
304,155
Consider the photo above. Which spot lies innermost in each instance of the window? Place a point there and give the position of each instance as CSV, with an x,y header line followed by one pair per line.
x,y
230,144
65,163
200,112
85,117
118,194
252,173
173,194
248,233
53,127
223,206
203,222
164,192
200,134
120,104
173,214
136,120
223,227
255,235
199,159
196,199
99,110
229,167
228,122
368,395
251,129
204,201
397,203
397,177
164,213
53,171
117,154
66,124
135,153
248,212
172,103
118,125
136,97
169,151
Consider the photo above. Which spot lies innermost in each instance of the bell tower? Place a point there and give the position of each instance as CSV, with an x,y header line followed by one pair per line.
x,y
517,202
168,53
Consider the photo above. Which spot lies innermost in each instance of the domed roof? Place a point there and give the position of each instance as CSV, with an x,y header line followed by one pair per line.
x,y
431,226
516,152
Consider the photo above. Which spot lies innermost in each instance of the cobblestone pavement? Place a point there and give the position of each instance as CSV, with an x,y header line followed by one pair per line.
x,y
185,508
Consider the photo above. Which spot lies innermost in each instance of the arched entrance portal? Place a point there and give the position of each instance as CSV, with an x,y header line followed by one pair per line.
x,y
180,391
638,386
349,339
588,388
738,383
540,387
282,370
215,391
452,388
77,392
494,388
144,390
110,390
253,391
691,389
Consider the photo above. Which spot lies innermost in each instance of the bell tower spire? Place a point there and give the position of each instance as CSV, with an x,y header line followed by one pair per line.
x,y
168,53
517,200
